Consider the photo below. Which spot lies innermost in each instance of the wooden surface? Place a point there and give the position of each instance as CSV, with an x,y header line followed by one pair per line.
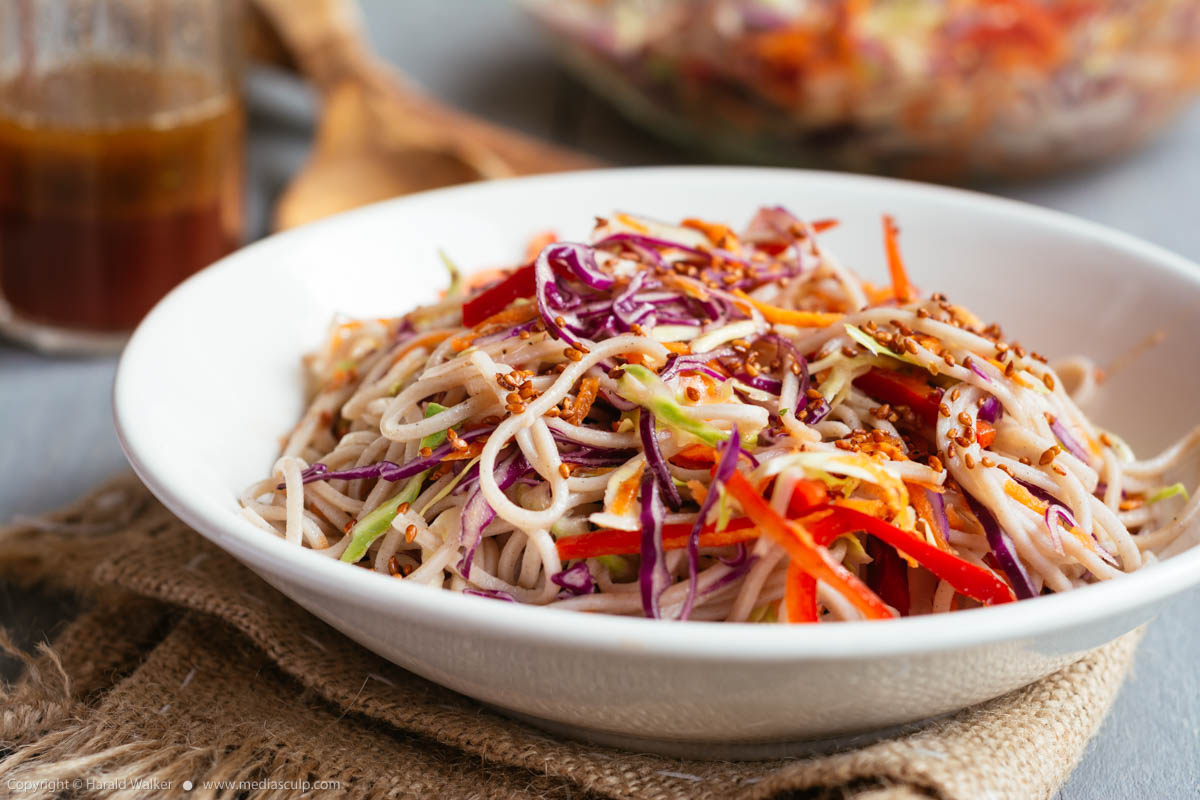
x,y
55,414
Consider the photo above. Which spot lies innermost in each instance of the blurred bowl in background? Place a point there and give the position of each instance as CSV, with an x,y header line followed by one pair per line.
x,y
946,90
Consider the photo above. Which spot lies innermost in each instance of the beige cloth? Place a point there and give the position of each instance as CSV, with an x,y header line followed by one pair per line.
x,y
184,666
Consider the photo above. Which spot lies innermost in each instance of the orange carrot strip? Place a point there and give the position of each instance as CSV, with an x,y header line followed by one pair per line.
x,y
787,316
901,287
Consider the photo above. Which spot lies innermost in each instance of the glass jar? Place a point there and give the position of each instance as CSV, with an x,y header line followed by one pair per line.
x,y
121,131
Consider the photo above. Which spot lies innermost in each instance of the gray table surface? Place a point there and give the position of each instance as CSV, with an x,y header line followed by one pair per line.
x,y
55,414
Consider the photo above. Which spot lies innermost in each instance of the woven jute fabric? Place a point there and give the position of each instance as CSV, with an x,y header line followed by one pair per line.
x,y
183,666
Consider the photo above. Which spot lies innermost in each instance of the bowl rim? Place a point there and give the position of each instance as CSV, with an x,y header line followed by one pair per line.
x,y
717,641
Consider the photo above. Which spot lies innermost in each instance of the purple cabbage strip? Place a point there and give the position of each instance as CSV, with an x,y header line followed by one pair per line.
x,y
1053,512
725,467
741,555
653,577
1070,442
1002,550
658,464
735,573
577,580
697,362
654,241
597,457
387,470
974,368
991,410
937,505
760,382
492,594
477,513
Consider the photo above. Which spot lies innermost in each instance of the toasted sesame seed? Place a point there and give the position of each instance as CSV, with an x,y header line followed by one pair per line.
x,y
948,357
410,533
943,409
1025,461
964,418
1105,439
951,451
458,444
935,464
426,452
954,395
1049,455
524,334
393,566
512,397
969,460
572,354
637,329
1058,470
987,462
1020,351
813,394
692,393
1048,379
1010,369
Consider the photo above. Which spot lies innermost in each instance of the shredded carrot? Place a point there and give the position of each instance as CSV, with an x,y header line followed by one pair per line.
x,y
513,315
679,348
485,276
421,341
583,399
625,219
1023,496
634,358
538,243
921,505
822,225
901,287
627,491
719,235
877,295
698,452
787,316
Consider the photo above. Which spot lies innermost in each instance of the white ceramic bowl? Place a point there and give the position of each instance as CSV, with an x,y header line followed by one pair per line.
x,y
212,378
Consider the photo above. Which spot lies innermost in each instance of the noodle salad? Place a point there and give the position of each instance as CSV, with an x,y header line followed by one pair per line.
x,y
685,422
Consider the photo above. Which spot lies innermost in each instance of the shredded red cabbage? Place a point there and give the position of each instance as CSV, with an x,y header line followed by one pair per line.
x,y
492,594
937,505
647,429
1002,550
477,513
1070,442
387,470
760,382
653,576
725,467
576,581
991,410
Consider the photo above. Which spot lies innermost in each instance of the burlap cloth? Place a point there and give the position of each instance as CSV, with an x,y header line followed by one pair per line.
x,y
184,666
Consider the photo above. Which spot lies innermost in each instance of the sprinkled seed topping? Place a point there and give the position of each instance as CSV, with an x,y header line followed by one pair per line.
x,y
1048,379
964,418
1059,470
426,452
410,533
1025,461
1049,455
943,409
1010,369
987,462
936,465
572,354
969,461
692,393
393,566
564,470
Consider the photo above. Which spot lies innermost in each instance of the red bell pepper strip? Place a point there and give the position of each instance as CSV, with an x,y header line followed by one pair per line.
x,y
675,537
900,389
985,433
801,596
805,553
521,283
888,573
969,579
807,496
